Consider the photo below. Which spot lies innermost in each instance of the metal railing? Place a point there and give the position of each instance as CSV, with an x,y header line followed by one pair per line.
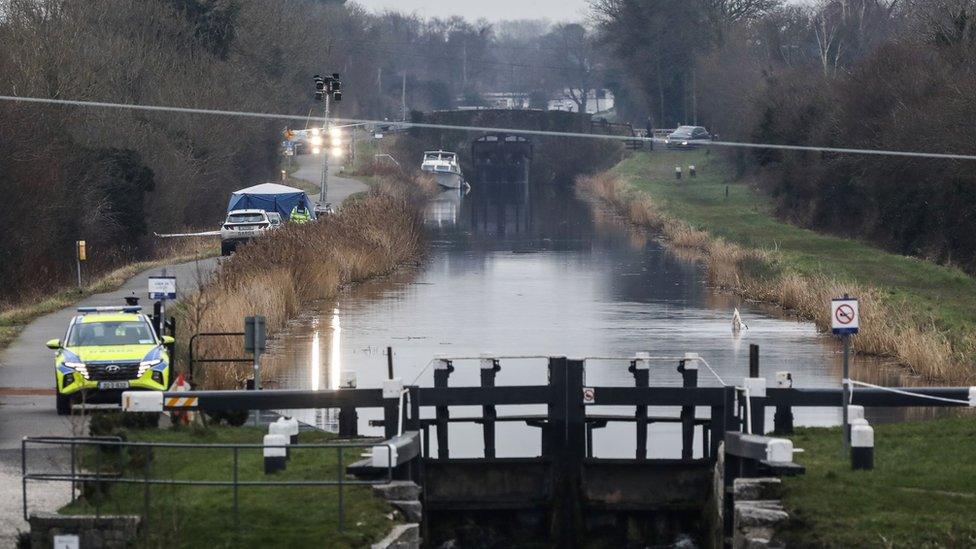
x,y
193,360
147,479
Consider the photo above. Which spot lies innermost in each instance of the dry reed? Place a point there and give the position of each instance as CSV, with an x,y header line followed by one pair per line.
x,y
886,329
277,274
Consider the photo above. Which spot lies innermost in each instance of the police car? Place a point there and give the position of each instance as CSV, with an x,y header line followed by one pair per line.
x,y
105,351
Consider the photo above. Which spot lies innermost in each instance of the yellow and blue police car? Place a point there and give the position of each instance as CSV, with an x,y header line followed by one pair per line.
x,y
105,351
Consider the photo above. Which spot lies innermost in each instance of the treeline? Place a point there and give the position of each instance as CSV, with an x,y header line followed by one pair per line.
x,y
873,74
112,177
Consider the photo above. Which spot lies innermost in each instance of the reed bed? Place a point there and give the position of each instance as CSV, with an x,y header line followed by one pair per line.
x,y
887,329
278,274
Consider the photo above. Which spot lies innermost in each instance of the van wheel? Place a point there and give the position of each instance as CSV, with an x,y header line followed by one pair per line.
x,y
226,248
63,403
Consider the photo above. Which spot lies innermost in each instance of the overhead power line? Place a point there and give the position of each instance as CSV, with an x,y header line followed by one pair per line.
x,y
515,131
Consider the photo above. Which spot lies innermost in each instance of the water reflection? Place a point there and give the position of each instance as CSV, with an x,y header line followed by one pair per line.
x,y
524,271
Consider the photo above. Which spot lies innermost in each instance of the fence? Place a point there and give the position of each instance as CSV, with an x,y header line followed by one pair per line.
x,y
102,447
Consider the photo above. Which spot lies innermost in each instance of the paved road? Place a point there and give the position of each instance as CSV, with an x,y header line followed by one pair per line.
x,y
27,397
340,188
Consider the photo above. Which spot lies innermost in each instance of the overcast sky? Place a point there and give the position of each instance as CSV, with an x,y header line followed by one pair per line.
x,y
494,10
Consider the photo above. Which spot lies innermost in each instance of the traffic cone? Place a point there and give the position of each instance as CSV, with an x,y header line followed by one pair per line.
x,y
179,386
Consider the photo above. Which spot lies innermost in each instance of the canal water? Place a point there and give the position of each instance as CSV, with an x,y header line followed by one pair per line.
x,y
520,272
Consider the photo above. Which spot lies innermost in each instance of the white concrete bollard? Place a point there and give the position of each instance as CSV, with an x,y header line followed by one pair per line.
x,y
677,172
275,453
287,426
692,172
779,450
862,447
854,411
280,428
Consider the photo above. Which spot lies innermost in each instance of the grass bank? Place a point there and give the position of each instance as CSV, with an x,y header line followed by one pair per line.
x,y
278,274
185,516
919,494
920,313
14,317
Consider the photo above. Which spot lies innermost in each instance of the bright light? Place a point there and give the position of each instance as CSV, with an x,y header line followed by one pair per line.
x,y
338,151
316,150
335,133
315,131
335,351
336,141
316,362
316,140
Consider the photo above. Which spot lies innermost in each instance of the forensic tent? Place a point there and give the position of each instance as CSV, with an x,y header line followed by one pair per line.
x,y
270,197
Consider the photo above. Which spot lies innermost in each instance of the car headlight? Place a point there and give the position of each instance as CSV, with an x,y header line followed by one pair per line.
x,y
78,367
145,365
684,142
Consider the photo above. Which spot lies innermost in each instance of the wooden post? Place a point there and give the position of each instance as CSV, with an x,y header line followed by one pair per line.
x,y
641,371
442,371
689,378
489,368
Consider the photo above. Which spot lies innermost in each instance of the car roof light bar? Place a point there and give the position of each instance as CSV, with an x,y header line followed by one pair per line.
x,y
119,309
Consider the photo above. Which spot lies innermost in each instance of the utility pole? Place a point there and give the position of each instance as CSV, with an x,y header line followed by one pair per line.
x,y
464,68
403,98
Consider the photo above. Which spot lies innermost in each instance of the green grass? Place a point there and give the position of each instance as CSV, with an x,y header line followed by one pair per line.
x,y
182,516
944,294
14,318
921,493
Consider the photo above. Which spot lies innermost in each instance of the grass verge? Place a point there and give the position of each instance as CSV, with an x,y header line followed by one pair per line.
x,y
278,274
14,318
920,493
185,516
918,312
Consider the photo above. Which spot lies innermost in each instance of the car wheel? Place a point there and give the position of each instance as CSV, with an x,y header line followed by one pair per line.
x,y
63,404
226,249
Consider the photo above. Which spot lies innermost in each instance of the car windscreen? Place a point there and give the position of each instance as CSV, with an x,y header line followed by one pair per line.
x,y
682,132
133,332
246,218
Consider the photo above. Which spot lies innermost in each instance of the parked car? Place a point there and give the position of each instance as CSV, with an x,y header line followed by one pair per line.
x,y
241,226
275,219
687,137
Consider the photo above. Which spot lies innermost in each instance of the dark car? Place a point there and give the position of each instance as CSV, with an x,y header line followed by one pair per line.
x,y
687,137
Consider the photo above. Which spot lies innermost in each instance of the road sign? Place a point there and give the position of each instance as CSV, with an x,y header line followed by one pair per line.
x,y
589,395
162,287
69,541
254,333
844,316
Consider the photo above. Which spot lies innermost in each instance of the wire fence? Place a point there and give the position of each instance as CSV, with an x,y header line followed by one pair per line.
x,y
95,463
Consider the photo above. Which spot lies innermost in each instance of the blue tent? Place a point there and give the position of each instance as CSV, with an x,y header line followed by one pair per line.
x,y
270,197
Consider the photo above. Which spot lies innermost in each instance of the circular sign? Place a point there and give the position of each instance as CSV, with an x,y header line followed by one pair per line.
x,y
844,314
589,395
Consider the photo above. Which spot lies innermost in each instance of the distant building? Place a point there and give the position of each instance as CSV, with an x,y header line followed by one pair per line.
x,y
596,101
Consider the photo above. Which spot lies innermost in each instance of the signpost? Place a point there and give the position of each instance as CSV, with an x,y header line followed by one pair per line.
x,y
254,342
844,320
162,288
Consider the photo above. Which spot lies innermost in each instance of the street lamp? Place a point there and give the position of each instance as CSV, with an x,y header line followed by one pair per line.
x,y
326,88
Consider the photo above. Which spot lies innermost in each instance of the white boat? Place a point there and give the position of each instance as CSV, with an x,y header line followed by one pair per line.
x,y
444,165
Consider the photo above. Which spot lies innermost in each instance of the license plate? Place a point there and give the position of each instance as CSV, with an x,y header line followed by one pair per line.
x,y
113,384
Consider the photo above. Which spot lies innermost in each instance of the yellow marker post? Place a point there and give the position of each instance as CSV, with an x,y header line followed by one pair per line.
x,y
81,254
